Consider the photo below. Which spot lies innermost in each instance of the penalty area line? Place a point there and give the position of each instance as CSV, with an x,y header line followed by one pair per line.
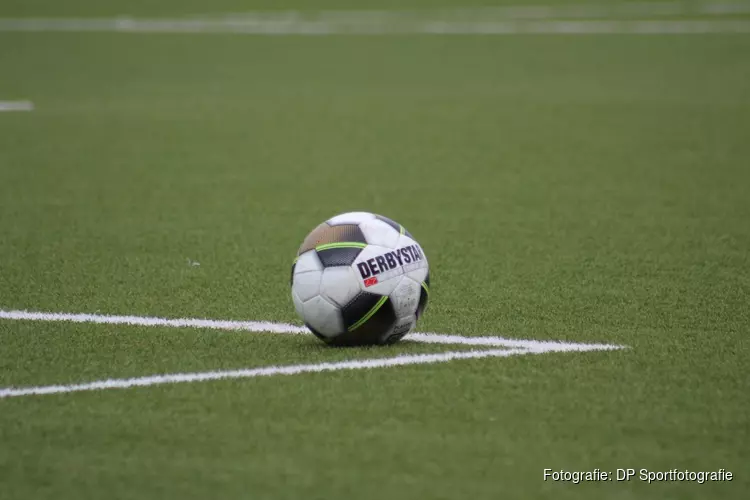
x,y
106,319
176,378
491,344
287,328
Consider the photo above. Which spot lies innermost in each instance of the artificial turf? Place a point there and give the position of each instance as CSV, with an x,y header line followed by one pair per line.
x,y
587,189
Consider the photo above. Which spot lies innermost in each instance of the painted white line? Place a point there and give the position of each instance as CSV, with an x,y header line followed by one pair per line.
x,y
610,10
286,328
511,347
305,27
494,341
247,326
16,106
419,359
642,10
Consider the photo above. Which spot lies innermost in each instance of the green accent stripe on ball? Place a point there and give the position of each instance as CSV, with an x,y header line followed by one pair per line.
x,y
341,244
402,230
426,288
370,313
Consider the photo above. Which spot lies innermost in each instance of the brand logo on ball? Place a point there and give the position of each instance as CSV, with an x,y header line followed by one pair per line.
x,y
371,281
371,268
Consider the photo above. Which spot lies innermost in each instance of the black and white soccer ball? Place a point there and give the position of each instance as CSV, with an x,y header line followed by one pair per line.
x,y
360,279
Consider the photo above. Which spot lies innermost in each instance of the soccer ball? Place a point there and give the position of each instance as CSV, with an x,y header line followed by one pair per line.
x,y
360,279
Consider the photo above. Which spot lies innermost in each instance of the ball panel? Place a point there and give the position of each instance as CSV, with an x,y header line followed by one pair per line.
x,y
338,256
405,297
403,326
419,274
306,262
395,225
323,316
307,284
340,285
325,234
350,218
405,240
379,233
418,266
381,287
424,295
298,303
377,270
358,307
373,327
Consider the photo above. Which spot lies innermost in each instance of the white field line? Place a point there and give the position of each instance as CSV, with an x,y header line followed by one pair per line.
x,y
16,106
610,10
644,10
535,346
510,347
270,327
304,27
248,326
607,18
259,372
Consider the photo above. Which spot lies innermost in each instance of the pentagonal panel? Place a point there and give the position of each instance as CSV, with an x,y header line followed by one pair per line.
x,y
350,218
340,285
323,317
380,233
338,255
306,285
308,261
405,297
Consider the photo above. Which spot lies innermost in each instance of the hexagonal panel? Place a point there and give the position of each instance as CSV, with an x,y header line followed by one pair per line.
x,y
350,218
376,271
419,274
405,297
323,316
326,234
415,270
340,285
298,303
308,261
307,284
380,233
338,256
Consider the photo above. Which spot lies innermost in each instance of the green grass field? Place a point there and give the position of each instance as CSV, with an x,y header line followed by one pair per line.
x,y
573,188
